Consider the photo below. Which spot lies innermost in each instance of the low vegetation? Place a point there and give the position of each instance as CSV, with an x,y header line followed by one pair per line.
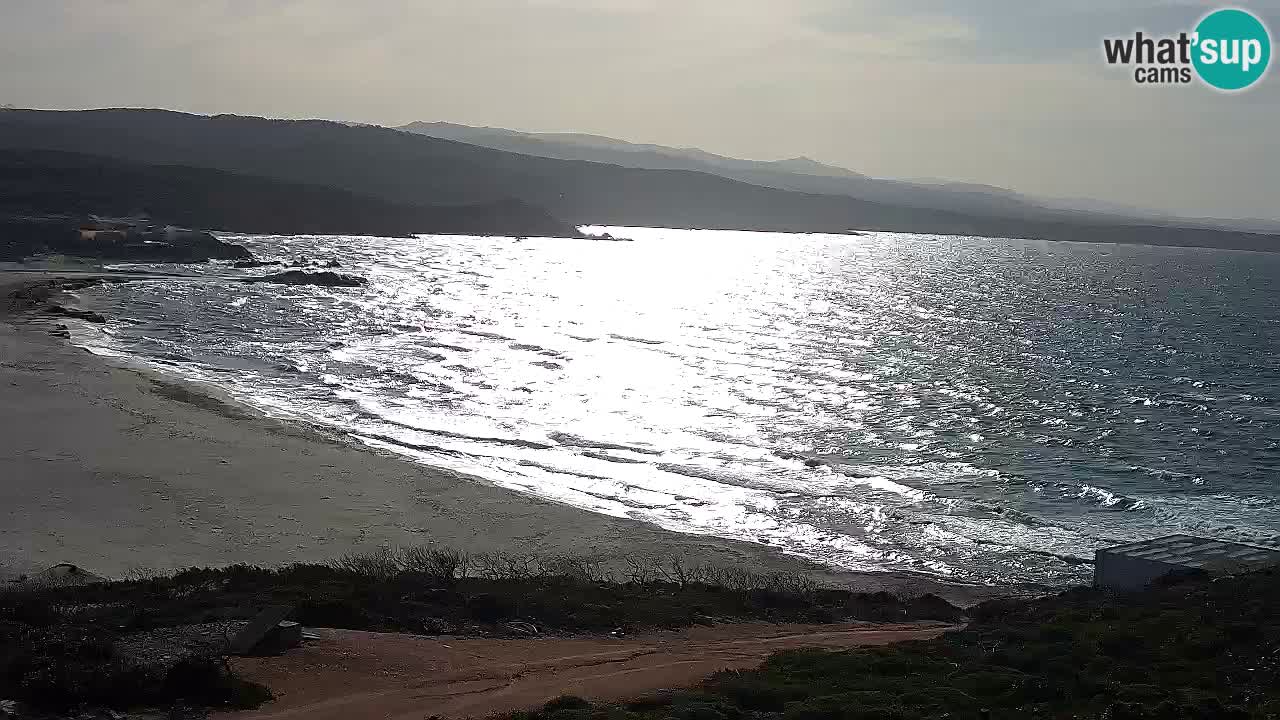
x,y
1194,649
60,668
1197,649
62,647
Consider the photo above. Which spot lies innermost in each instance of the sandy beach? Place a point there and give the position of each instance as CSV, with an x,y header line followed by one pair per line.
x,y
119,470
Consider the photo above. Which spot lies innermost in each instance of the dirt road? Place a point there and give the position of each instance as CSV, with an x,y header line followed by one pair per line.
x,y
349,675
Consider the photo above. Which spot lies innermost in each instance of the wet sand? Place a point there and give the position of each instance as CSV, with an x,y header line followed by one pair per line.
x,y
348,674
118,470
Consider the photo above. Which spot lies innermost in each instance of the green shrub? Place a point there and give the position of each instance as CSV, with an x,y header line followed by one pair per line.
x,y
68,668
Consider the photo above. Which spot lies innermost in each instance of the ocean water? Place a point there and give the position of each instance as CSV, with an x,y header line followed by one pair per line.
x,y
981,410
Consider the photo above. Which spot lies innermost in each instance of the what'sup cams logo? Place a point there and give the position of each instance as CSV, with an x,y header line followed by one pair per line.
x,y
1229,50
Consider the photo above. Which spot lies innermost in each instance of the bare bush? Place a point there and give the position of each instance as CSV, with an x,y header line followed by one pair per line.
x,y
641,570
733,578
506,566
442,565
446,566
576,567
382,564
675,570
791,583
141,573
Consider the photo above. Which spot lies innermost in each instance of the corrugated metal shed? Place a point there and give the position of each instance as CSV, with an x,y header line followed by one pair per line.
x,y
1136,565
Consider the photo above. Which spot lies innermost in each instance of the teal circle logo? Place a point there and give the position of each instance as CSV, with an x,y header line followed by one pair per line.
x,y
1231,49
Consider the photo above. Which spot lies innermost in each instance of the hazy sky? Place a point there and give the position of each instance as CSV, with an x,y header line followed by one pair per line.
x,y
1006,92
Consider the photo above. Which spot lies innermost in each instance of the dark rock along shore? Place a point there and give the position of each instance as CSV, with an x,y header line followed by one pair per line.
x,y
22,237
301,277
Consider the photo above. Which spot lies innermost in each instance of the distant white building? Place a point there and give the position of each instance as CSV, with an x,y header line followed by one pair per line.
x,y
118,229
1137,565
101,233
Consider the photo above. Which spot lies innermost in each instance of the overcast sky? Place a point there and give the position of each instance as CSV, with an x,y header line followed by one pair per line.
x,y
1005,92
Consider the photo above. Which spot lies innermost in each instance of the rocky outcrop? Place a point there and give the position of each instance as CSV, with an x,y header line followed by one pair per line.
x,y
306,262
256,263
186,247
87,315
22,237
299,277
38,296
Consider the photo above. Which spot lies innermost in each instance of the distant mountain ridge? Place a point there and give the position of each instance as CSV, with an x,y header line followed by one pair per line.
x,y
807,175
801,165
422,171
800,174
575,144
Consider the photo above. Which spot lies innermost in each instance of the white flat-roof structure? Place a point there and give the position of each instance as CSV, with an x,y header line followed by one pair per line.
x,y
1137,565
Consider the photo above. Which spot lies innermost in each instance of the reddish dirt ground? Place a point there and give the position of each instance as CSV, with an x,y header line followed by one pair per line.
x,y
349,675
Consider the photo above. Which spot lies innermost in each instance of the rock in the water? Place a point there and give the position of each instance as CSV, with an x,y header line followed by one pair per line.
x,y
256,263
304,261
300,277
88,315
179,247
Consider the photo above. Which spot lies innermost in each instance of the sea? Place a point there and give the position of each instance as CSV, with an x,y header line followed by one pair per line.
x,y
980,410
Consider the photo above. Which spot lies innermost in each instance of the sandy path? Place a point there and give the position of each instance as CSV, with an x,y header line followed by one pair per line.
x,y
349,675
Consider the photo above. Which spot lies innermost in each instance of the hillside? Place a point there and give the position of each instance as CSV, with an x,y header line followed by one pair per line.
x,y
613,151
50,182
404,168
807,175
797,174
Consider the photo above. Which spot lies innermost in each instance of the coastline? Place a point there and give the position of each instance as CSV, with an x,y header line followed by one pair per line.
x,y
119,470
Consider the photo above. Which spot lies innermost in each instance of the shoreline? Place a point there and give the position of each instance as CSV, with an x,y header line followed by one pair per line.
x,y
119,470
